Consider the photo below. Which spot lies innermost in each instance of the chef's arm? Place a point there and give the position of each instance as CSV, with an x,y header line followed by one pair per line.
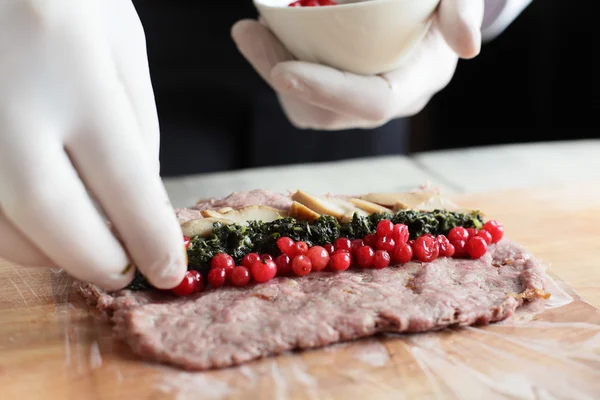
x,y
498,15
79,142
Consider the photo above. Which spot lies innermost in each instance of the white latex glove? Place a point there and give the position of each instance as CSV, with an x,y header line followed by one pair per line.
x,y
77,114
319,97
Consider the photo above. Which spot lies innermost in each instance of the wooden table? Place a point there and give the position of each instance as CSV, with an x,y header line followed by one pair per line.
x,y
52,348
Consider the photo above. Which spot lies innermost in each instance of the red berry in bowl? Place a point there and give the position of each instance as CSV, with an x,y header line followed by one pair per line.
x,y
312,3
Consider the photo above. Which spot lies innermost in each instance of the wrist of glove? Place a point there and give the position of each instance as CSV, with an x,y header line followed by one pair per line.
x,y
315,96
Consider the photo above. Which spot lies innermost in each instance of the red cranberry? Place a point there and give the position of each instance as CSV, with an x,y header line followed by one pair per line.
x,y
370,240
340,260
250,259
343,244
192,282
217,277
285,245
385,228
364,256
301,265
298,249
240,276
400,234
284,266
319,258
222,260
426,249
263,271
403,253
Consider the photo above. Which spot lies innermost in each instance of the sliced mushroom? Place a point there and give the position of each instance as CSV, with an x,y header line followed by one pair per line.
x,y
400,201
434,202
254,213
350,209
224,210
212,214
318,205
369,207
202,227
187,214
345,204
301,212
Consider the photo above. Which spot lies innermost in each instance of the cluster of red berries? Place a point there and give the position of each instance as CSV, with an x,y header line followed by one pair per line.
x,y
312,3
389,244
472,242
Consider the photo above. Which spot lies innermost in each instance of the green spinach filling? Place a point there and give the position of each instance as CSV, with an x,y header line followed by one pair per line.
x,y
261,237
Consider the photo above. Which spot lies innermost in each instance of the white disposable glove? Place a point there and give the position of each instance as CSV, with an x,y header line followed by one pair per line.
x,y
77,114
319,97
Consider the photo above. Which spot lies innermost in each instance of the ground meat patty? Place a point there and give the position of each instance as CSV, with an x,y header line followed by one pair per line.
x,y
229,326
187,214
235,200
238,200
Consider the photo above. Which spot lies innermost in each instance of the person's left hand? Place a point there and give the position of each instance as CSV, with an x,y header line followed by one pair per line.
x,y
315,96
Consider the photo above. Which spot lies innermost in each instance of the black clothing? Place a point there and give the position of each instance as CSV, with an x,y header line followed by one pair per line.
x,y
215,111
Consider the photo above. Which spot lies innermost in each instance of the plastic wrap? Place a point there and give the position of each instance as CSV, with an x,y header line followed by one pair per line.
x,y
550,353
54,347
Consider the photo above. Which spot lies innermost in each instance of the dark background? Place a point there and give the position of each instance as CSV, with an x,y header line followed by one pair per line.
x,y
537,81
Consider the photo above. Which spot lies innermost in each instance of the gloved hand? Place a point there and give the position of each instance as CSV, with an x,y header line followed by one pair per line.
x,y
319,97
77,116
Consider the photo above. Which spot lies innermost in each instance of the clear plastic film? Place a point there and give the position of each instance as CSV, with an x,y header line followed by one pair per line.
x,y
58,348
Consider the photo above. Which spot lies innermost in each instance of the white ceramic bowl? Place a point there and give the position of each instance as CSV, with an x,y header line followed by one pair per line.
x,y
367,37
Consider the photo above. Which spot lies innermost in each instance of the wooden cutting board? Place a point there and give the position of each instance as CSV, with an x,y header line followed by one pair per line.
x,y
52,348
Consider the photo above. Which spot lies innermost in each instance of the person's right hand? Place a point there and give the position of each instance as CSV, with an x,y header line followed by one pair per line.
x,y
78,119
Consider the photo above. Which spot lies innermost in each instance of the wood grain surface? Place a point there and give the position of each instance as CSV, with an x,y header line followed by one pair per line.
x,y
52,347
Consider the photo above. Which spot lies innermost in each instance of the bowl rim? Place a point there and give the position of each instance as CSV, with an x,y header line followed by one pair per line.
x,y
357,3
